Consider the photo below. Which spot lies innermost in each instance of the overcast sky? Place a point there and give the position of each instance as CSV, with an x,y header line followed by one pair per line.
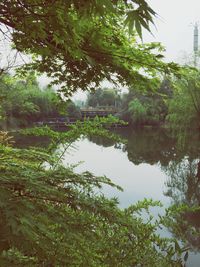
x,y
174,25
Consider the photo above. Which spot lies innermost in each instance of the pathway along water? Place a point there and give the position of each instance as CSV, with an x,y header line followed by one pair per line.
x,y
150,165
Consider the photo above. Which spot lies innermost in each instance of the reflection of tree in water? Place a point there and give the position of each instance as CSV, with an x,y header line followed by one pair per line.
x,y
183,186
105,141
24,141
180,163
150,147
183,182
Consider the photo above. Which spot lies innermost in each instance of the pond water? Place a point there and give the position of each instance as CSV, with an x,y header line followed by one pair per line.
x,y
149,165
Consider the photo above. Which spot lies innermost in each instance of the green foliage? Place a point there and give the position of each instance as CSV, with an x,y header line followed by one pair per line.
x,y
103,97
52,216
5,139
146,107
94,127
138,111
182,186
73,111
182,221
184,107
80,43
182,168
23,102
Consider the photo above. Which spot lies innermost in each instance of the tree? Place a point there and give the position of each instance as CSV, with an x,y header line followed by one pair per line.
x,y
23,101
103,97
183,187
138,111
73,111
80,43
146,107
55,217
184,107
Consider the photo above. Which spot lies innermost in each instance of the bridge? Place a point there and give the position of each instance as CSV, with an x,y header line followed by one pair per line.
x,y
86,113
99,111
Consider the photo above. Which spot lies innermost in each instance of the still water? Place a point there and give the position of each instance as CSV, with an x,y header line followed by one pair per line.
x,y
151,164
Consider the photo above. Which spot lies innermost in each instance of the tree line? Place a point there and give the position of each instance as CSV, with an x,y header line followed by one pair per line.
x,y
24,102
174,103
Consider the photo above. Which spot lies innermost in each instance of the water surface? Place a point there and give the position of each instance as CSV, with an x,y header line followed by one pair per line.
x,y
151,164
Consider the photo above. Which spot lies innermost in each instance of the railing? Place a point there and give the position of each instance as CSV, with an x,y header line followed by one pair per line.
x,y
100,111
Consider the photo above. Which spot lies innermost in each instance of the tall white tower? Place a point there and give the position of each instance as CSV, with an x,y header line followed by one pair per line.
x,y
195,47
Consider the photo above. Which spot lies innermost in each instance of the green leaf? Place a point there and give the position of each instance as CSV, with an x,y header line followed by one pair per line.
x,y
138,28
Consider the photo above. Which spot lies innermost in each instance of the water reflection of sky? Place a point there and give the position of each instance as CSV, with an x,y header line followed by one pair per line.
x,y
138,181
148,165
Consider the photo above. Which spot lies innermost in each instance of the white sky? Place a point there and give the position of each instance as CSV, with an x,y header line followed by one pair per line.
x,y
174,25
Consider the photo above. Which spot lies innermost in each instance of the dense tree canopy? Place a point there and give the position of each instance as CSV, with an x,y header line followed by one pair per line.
x,y
79,43
146,107
24,102
103,97
184,107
